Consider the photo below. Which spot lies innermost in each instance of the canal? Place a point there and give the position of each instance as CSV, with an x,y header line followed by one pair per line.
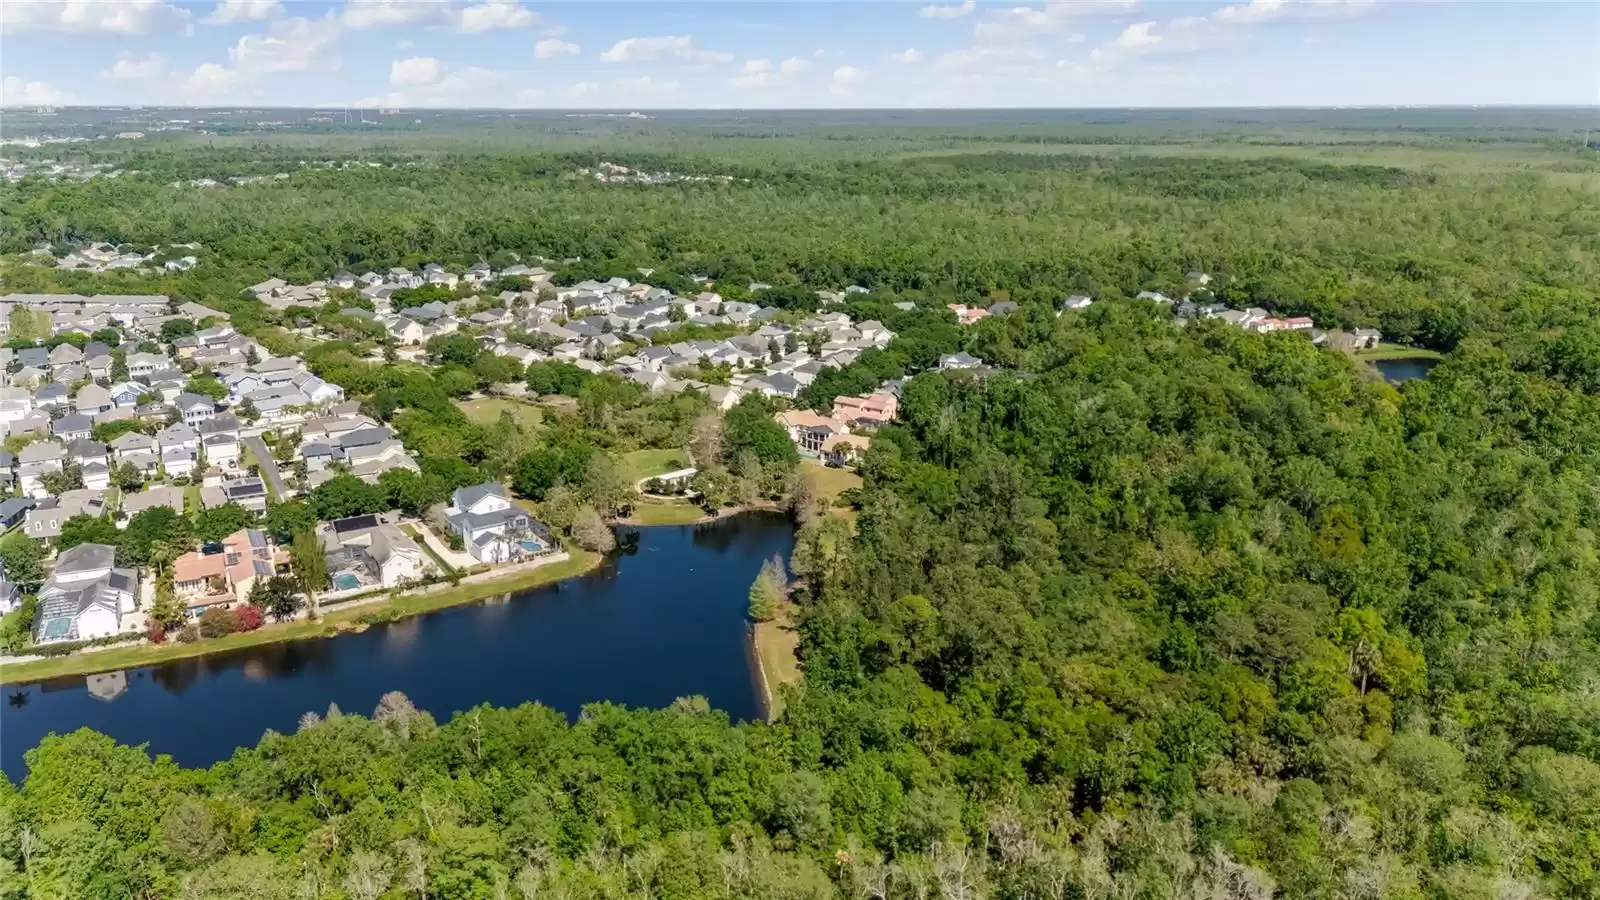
x,y
662,618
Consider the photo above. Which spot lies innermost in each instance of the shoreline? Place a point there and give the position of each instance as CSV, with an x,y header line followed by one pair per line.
x,y
332,624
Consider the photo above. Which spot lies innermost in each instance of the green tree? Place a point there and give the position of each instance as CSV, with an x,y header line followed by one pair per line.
x,y
87,529
347,495
285,520
212,525
207,385
23,560
766,593
149,527
310,565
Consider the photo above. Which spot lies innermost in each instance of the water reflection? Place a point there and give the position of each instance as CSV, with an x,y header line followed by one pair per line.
x,y
663,618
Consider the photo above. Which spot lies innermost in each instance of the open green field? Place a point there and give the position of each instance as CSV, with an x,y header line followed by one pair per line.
x,y
487,410
1386,350
332,623
638,464
830,482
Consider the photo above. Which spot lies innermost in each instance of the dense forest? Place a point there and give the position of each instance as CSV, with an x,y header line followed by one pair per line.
x,y
1147,612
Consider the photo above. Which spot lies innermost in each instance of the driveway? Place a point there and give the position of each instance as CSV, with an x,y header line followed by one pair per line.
x,y
269,467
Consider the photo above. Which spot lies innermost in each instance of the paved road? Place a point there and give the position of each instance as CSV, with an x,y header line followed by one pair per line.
x,y
269,466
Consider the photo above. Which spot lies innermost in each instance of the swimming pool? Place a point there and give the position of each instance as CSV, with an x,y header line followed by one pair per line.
x,y
346,581
531,546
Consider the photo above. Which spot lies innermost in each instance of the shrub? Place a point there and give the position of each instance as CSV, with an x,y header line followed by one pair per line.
x,y
189,634
158,633
218,622
248,617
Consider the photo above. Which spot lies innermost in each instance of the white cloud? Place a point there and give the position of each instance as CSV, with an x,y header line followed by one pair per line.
x,y
496,15
492,15
908,56
663,48
530,97
210,82
363,14
414,71
1258,11
846,76
1027,23
291,45
404,44
1186,34
91,16
244,11
134,67
982,58
424,81
761,73
15,91
965,8
550,48
584,90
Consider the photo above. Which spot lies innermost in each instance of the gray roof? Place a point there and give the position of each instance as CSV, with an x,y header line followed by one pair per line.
x,y
187,400
72,423
465,498
86,557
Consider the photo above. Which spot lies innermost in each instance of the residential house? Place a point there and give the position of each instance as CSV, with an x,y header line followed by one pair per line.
x,y
1077,301
195,409
868,410
177,463
365,552
125,395
44,521
844,449
226,574
810,431
85,597
90,457
250,493
71,427
149,498
65,355
967,315
221,450
51,396
493,529
92,399
126,445
961,360
141,365
99,366
13,510
34,462
179,437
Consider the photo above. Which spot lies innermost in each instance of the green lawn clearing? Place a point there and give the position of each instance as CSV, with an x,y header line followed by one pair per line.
x,y
487,410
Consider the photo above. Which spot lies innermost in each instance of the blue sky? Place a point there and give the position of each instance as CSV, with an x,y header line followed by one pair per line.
x,y
962,53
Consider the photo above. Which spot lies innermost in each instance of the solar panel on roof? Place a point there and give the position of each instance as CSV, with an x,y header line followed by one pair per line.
x,y
355,523
257,538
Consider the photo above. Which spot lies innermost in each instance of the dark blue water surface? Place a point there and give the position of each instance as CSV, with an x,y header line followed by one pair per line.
x,y
661,619
1395,371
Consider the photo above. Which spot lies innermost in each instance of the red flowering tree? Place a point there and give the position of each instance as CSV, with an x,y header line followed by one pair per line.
x,y
249,618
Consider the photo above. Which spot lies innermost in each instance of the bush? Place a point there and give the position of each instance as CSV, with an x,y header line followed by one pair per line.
x,y
218,622
248,617
158,633
188,634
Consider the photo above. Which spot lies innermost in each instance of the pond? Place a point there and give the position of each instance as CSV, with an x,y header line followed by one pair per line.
x,y
662,618
1395,371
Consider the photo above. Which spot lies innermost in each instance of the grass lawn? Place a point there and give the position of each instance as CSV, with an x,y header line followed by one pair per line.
x,y
487,410
639,464
191,498
831,483
776,646
1386,350
332,623
665,512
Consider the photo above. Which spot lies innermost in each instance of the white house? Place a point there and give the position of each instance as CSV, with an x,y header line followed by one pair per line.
x,y
85,597
492,528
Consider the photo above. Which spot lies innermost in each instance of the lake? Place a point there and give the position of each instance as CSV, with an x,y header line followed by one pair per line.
x,y
662,618
1395,371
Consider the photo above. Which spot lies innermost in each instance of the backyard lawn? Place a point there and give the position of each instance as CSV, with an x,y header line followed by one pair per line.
x,y
487,410
639,464
831,482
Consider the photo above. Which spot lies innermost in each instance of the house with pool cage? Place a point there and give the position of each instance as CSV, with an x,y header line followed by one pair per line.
x,y
493,529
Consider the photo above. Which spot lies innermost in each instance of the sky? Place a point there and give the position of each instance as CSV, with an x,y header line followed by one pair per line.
x,y
669,54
